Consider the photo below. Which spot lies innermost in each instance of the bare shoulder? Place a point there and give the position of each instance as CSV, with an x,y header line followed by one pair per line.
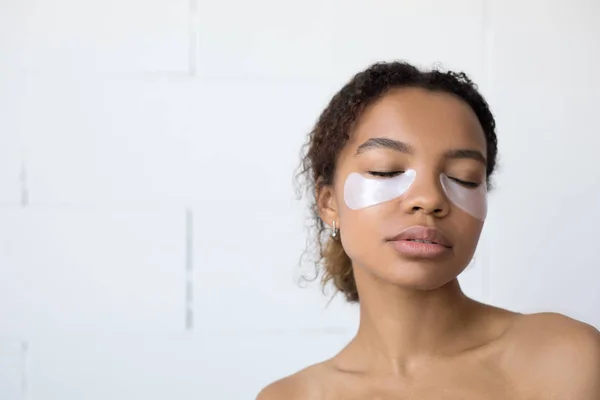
x,y
552,331
557,356
307,384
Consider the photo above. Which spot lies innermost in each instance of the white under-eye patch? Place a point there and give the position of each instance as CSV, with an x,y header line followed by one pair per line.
x,y
471,200
361,192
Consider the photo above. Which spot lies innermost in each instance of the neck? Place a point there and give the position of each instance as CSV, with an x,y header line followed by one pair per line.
x,y
399,327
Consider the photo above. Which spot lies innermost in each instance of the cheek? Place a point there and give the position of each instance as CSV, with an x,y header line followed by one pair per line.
x,y
361,233
361,221
469,231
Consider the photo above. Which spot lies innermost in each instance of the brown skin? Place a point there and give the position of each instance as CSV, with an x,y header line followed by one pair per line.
x,y
419,336
432,124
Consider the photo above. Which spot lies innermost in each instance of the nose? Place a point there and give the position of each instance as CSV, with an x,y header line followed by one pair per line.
x,y
426,195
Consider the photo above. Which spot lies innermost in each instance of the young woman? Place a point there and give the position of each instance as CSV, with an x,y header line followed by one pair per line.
x,y
399,163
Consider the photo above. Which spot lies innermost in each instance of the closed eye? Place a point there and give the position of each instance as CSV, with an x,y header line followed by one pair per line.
x,y
385,174
467,184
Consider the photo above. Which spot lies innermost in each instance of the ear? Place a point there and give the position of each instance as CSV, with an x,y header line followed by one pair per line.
x,y
327,205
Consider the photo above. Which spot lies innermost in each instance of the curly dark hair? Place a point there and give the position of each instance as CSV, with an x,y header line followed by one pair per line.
x,y
333,129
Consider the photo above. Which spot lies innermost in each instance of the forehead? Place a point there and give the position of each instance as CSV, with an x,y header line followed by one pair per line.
x,y
425,119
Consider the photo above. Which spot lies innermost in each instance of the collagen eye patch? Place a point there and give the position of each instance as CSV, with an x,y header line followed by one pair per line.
x,y
362,192
471,200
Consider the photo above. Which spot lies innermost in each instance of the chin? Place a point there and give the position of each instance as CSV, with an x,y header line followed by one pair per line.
x,y
424,284
418,275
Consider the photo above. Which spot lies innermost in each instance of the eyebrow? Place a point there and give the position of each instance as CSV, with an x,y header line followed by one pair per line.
x,y
468,154
386,143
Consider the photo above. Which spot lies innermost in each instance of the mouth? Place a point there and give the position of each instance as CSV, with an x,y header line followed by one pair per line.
x,y
423,234
422,242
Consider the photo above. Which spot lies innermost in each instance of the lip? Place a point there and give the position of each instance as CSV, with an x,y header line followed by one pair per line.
x,y
410,242
429,234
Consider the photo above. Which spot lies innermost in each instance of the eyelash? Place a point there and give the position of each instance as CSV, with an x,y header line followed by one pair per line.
x,y
470,185
382,174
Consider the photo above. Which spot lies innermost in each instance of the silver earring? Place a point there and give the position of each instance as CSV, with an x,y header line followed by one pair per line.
x,y
334,230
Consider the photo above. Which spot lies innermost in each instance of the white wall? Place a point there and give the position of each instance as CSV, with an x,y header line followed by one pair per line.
x,y
149,236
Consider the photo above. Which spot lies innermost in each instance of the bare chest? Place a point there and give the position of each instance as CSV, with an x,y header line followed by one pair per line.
x,y
457,384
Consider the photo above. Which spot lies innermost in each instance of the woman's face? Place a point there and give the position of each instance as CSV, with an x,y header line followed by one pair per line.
x,y
435,134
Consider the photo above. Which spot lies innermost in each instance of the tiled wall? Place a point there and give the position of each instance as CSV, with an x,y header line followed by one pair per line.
x,y
149,234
